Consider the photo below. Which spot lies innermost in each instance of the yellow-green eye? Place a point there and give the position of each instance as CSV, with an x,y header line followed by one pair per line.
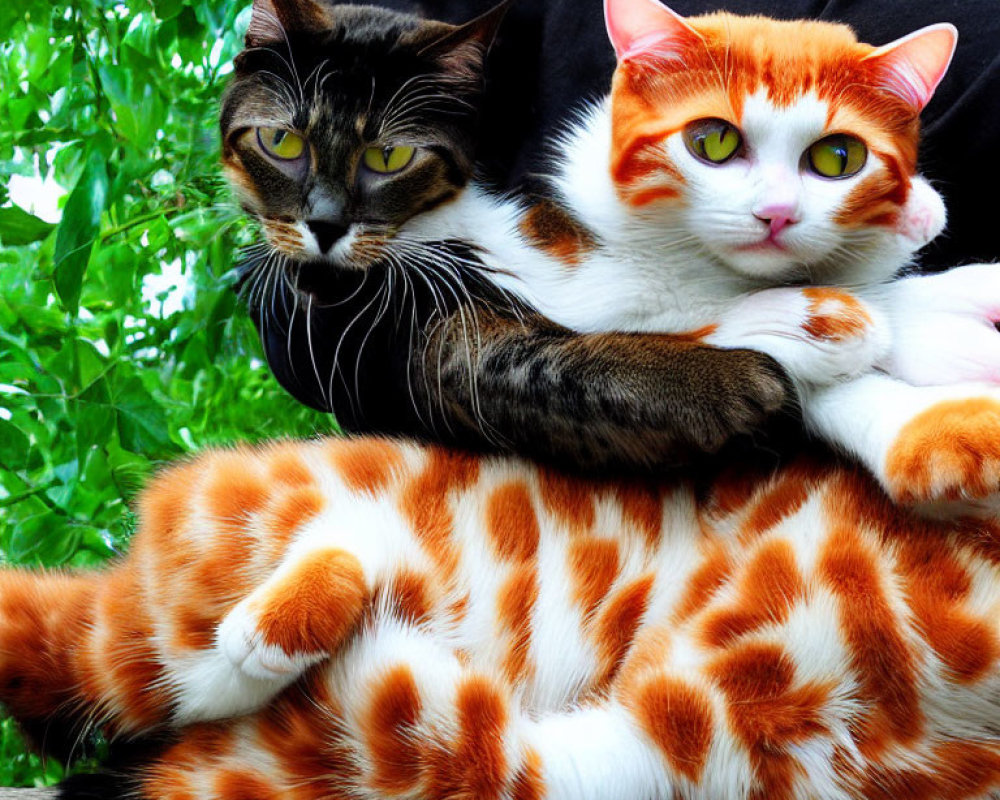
x,y
388,159
837,156
712,140
281,144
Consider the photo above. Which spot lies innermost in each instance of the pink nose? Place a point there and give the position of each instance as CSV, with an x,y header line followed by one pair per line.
x,y
778,215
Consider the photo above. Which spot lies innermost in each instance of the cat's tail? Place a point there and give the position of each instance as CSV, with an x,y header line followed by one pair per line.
x,y
76,650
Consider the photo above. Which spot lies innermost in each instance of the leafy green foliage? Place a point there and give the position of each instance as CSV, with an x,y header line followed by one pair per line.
x,y
122,342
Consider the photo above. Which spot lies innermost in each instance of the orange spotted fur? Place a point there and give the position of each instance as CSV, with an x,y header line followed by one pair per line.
x,y
793,635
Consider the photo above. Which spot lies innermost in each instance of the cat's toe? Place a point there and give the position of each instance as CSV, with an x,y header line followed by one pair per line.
x,y
242,642
759,388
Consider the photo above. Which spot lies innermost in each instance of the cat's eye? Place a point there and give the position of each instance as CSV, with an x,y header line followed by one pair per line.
x,y
712,140
837,156
385,160
281,144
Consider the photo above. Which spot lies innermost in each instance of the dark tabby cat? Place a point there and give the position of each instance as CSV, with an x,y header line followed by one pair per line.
x,y
420,340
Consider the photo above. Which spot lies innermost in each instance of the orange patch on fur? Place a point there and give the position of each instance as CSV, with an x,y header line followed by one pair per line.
x,y
316,605
553,229
880,655
769,586
388,726
678,718
193,628
834,315
130,659
776,504
516,602
286,466
474,765
242,785
643,157
594,565
511,522
950,451
703,583
954,770
365,465
877,199
290,513
642,507
409,596
767,713
289,729
165,505
938,585
618,623
167,783
696,335
645,197
570,500
528,783
235,491
425,501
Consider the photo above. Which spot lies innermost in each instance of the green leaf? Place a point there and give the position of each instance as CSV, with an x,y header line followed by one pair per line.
x,y
142,422
18,227
42,539
95,418
14,446
79,228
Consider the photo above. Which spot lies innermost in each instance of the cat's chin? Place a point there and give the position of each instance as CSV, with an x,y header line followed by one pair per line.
x,y
764,262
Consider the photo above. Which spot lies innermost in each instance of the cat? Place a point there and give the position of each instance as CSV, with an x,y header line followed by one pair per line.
x,y
416,340
489,628
738,155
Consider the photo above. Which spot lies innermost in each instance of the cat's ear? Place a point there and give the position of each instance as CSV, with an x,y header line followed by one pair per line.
x,y
642,27
913,66
463,48
270,20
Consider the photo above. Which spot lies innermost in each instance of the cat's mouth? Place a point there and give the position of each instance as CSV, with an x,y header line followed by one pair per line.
x,y
353,247
771,244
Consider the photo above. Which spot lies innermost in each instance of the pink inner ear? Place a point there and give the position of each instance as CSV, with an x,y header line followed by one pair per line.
x,y
913,66
636,27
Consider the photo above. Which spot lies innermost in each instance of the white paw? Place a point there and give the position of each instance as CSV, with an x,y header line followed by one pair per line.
x,y
819,335
944,327
241,641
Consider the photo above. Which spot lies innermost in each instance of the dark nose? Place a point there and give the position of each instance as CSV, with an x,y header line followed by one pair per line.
x,y
326,233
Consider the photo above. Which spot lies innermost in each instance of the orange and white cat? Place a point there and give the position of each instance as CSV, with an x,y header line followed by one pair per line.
x,y
492,629
752,183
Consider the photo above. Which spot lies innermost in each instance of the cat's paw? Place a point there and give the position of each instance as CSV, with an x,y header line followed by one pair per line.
x,y
949,452
241,640
297,618
944,327
820,335
923,216
747,389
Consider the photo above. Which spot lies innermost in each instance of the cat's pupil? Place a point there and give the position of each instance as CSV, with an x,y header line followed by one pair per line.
x,y
279,137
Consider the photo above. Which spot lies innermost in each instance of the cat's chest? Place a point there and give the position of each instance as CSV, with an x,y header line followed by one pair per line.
x,y
629,292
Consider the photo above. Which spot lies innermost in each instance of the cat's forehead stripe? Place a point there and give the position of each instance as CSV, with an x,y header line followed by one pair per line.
x,y
741,56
